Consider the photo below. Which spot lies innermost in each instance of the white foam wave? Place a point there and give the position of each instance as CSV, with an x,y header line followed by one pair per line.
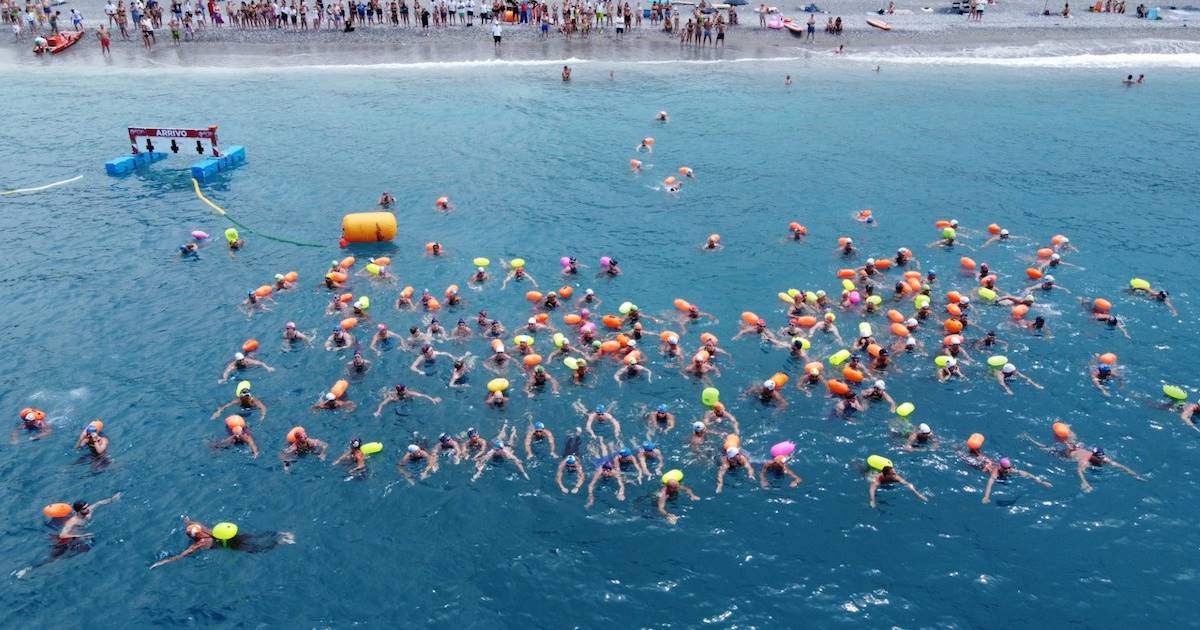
x,y
1134,54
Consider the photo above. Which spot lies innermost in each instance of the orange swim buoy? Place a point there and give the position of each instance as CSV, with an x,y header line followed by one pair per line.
x,y
442,202
941,223
610,346
1101,305
975,442
780,379
1061,430
635,164
337,276
235,421
843,240
899,329
873,349
1058,239
669,181
846,274
685,171
952,340
612,321
702,356
347,262
750,318
250,345
1045,252
837,387
541,318
895,316
571,319
953,297
1034,274
532,360
339,388
708,338
814,366
263,291
682,305
967,262
291,276
633,357
806,321
796,227
566,292
666,335
993,228
1020,311
432,304
954,310
883,263
623,340
914,284
852,375
349,322
732,441
451,290
346,298
533,296
648,141
406,292
1108,358
382,261
952,325
57,510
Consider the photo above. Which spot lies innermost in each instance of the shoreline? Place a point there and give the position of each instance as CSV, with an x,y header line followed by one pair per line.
x,y
1011,30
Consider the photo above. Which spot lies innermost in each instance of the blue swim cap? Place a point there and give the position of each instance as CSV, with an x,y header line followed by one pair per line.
x,y
932,273
599,408
497,443
90,429
472,432
571,459
539,425
1104,367
647,446
1098,452
625,452
870,219
662,407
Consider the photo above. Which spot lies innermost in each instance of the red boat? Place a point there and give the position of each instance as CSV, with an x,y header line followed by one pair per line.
x,y
58,43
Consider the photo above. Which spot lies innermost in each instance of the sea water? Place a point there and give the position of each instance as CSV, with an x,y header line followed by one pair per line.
x,y
103,319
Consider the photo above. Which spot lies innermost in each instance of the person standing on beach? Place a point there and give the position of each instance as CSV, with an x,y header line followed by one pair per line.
x,y
496,34
812,28
102,34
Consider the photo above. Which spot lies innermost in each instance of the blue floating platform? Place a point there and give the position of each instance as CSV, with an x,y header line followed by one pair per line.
x,y
128,163
231,159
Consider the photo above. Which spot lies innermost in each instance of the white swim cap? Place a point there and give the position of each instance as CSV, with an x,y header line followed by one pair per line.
x,y
732,452
590,292
951,362
911,321
1055,257
238,356
413,448
1009,368
880,384
910,341
964,300
953,222
673,339
697,426
531,321
870,261
769,385
923,428
1003,232
479,269
329,396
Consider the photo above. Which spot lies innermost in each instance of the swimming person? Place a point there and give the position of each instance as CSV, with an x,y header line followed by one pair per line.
x,y
538,431
1095,458
885,477
1010,371
499,452
414,454
244,401
777,466
71,539
93,439
570,464
922,437
354,456
672,486
239,433
602,416
1001,470
659,420
32,419
300,444
606,468
203,539
400,393
242,362
734,458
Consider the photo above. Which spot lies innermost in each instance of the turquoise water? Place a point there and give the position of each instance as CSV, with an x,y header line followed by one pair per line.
x,y
103,319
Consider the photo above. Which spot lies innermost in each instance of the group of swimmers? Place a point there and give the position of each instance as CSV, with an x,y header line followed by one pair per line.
x,y
593,346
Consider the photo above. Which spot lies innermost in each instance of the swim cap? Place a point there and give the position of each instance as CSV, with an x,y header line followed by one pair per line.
x,y
870,261
539,369
924,429
479,269
821,293
648,446
964,300
91,428
539,425
193,530
279,276
1055,257
571,460
589,292
1104,367
879,384
471,432
673,340
731,452
849,240
443,438
1048,278
238,356
413,448
1005,462
497,443
355,443
290,325
951,362
1009,368
625,452
911,322
382,327
329,396
1098,452
1003,232
662,407
697,426
599,408
769,385
910,341
953,223
531,321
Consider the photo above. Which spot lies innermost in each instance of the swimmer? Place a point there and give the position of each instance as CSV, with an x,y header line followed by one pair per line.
x,y
601,416
339,339
386,200
635,166
990,342
847,403
650,451
435,330
32,419
1002,236
71,539
606,468
330,402
1112,320
570,465
416,339
589,299
383,338
254,304
434,249
357,365
238,434
93,439
499,360
718,414
1047,283
495,329
777,466
478,278
580,373
826,325
448,443
242,362
245,402
701,366
626,457
538,431
1001,470
1063,244
566,73
672,486
400,393
495,399
353,456
1010,371
610,270
768,393
734,458
951,370
1037,327
1158,295
659,421
300,444
845,248
414,454
888,476
572,266
428,356
458,373
189,249
759,328
1096,458
291,335
517,273
922,437
1188,415
694,315
538,379
878,392
462,331
498,452
631,370
203,540
1103,374
698,436
1055,260
712,243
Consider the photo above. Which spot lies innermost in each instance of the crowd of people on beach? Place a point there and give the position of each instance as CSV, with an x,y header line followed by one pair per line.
x,y
576,336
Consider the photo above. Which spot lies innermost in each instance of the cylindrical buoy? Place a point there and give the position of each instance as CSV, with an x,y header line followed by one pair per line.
x,y
368,227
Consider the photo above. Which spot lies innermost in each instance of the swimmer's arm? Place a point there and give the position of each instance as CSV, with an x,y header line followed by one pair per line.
x,y
431,399
529,445
228,370
375,344
261,364
517,462
621,486
649,375
342,458
662,507
552,443
1120,466
871,491
908,484
891,401
588,426
1031,381
987,492
383,403
912,439
1083,483
1000,379
217,412
196,546
578,480
83,436
671,421
262,408
531,279
417,361
749,470
1029,475
617,376
795,478
721,475
558,477
252,445
616,428
592,490
554,389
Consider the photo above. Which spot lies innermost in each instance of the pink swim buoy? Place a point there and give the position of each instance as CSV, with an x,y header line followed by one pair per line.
x,y
783,449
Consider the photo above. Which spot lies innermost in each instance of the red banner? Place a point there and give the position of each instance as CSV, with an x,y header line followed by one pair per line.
x,y
204,134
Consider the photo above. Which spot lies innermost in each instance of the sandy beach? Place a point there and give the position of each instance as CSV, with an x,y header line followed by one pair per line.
x,y
1010,29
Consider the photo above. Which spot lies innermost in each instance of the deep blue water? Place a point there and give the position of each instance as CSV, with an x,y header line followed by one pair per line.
x,y
104,320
